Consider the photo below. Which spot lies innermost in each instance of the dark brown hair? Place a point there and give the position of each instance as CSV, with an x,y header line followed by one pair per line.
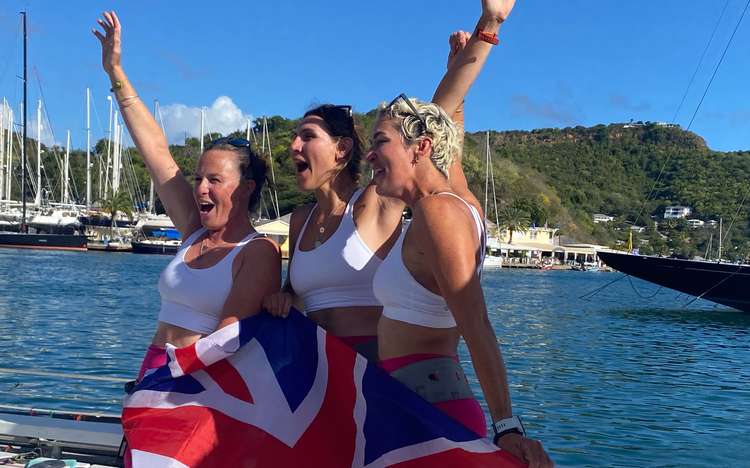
x,y
340,122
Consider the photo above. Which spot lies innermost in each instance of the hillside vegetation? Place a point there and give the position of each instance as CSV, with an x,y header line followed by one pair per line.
x,y
557,176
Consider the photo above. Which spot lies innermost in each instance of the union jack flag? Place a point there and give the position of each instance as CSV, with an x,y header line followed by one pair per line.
x,y
270,392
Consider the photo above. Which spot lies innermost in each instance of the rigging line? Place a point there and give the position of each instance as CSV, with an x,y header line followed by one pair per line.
x,y
739,267
51,131
10,52
705,92
716,69
700,62
734,217
630,280
596,291
136,187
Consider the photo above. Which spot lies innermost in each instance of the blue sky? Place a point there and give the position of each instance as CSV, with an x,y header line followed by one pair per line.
x,y
560,63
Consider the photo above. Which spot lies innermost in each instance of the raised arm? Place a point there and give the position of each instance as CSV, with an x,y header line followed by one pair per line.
x,y
468,63
456,176
174,191
449,233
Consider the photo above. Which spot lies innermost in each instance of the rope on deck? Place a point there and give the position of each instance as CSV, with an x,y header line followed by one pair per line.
x,y
65,375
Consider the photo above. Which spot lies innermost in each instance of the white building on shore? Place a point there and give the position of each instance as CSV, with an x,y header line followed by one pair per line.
x,y
677,212
539,245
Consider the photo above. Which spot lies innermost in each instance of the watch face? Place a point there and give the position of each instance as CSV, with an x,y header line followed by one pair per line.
x,y
512,424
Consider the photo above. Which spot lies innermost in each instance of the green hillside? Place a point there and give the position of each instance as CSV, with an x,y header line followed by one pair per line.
x,y
559,177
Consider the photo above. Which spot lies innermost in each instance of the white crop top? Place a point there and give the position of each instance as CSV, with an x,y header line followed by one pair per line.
x,y
337,273
406,300
193,298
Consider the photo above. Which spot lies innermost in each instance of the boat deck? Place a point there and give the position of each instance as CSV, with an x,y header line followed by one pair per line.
x,y
93,440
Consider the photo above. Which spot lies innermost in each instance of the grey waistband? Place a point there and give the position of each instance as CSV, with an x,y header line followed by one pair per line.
x,y
436,379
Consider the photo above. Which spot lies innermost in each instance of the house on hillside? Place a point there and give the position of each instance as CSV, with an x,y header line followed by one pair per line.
x,y
695,223
677,212
602,218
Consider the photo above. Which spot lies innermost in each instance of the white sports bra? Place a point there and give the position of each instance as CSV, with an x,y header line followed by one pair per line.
x,y
406,300
193,298
337,273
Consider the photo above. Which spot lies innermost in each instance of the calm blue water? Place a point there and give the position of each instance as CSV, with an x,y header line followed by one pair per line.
x,y
617,380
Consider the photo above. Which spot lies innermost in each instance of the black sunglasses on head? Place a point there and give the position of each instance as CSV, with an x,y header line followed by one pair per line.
x,y
411,106
234,141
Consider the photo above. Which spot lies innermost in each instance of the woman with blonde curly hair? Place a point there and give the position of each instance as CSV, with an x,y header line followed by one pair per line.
x,y
429,284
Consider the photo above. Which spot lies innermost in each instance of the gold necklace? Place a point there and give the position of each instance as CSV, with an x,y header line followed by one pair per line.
x,y
322,229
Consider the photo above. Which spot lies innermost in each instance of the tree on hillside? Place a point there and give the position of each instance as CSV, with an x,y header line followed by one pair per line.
x,y
513,219
117,202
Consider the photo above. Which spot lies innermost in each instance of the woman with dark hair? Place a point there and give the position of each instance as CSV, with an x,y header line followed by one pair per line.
x,y
350,229
338,242
224,268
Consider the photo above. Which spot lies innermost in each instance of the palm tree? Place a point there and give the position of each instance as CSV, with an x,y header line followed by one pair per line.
x,y
513,219
117,202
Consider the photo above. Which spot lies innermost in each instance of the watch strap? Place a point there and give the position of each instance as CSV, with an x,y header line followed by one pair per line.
x,y
504,426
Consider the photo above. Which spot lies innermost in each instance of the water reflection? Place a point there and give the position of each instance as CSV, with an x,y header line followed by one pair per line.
x,y
616,380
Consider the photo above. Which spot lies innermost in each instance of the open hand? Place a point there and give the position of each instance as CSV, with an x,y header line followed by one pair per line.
x,y
457,42
498,9
110,40
528,450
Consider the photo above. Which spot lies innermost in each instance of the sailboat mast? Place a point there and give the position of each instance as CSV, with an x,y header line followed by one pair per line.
x,y
267,140
151,210
9,154
3,166
116,156
65,200
109,150
88,149
486,171
721,222
23,146
38,196
203,118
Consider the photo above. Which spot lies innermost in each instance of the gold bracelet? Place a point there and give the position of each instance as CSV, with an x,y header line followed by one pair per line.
x,y
125,99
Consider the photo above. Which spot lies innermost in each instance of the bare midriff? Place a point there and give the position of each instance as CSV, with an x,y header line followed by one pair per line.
x,y
348,321
174,335
396,339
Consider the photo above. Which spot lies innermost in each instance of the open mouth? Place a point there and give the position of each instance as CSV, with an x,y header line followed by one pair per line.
x,y
301,165
206,207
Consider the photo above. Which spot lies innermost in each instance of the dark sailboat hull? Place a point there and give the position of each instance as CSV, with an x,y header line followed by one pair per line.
x,y
723,283
154,248
43,241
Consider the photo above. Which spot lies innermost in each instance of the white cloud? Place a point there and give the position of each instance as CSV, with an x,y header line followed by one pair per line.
x,y
47,137
223,116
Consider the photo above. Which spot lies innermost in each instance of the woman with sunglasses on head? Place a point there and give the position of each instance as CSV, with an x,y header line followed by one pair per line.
x,y
345,233
429,284
350,229
224,268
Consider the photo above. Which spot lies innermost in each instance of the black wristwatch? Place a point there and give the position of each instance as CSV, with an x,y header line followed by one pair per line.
x,y
512,425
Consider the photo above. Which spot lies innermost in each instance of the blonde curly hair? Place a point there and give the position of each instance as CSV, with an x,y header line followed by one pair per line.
x,y
440,128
